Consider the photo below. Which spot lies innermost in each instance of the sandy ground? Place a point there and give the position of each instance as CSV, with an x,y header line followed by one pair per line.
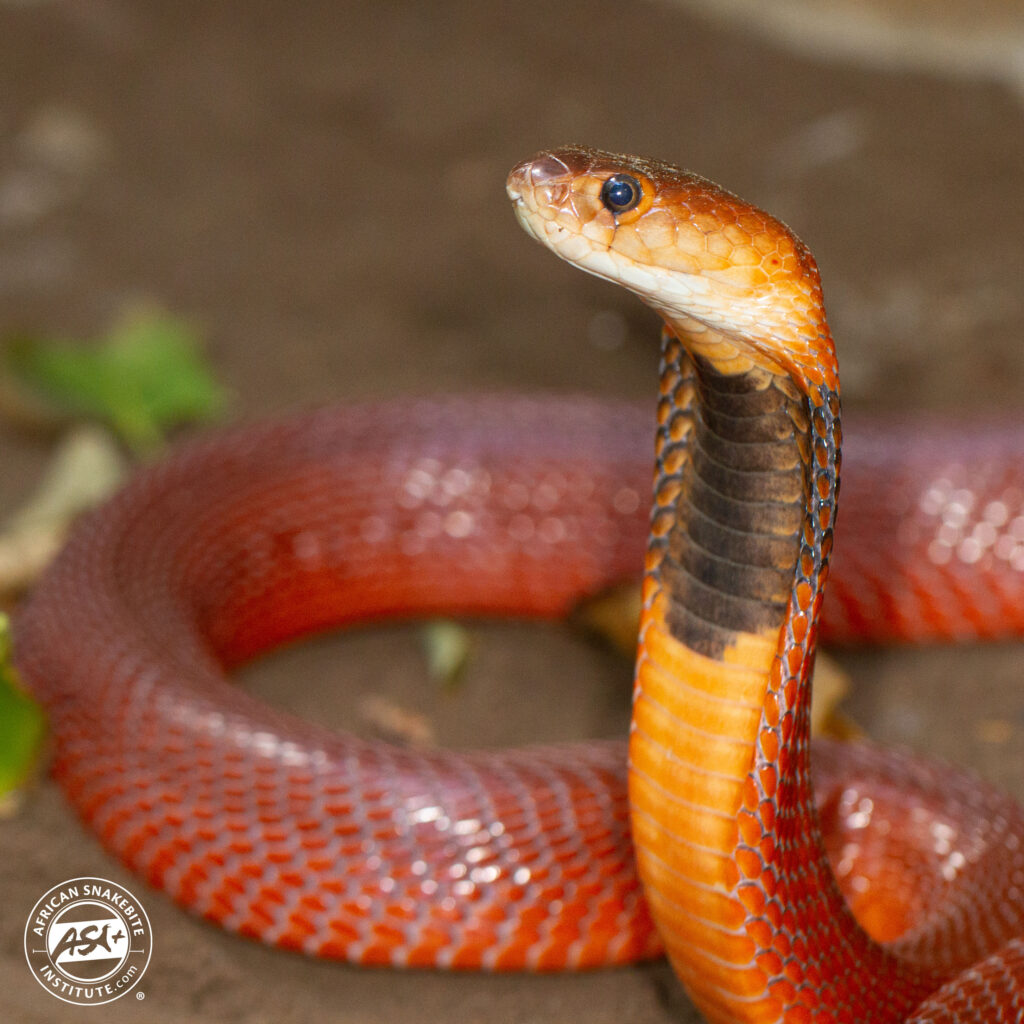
x,y
319,186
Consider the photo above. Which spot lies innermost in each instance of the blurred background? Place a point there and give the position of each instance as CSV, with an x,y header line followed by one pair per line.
x,y
318,189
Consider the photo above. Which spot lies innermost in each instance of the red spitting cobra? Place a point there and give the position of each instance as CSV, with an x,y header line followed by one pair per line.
x,y
895,893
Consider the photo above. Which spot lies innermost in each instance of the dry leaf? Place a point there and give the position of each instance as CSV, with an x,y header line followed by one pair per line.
x,y
86,468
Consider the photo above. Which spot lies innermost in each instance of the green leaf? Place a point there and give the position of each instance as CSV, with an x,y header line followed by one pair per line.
x,y
146,376
22,722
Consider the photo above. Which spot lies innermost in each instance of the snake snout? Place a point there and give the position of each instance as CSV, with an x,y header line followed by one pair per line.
x,y
542,168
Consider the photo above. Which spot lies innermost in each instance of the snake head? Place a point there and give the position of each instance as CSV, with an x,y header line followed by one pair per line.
x,y
732,279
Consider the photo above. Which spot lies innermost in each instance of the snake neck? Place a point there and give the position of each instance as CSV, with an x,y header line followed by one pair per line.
x,y
728,842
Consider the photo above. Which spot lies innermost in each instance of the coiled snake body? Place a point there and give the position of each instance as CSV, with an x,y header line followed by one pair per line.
x,y
285,831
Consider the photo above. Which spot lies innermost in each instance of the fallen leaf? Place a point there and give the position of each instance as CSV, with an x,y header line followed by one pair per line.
x,y
395,723
831,685
86,468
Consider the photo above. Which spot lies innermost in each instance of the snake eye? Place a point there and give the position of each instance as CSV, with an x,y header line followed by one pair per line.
x,y
621,192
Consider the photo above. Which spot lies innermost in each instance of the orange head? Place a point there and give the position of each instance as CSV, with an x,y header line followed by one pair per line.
x,y
720,271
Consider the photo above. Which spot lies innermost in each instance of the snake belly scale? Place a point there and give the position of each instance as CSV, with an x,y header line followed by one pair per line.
x,y
774,902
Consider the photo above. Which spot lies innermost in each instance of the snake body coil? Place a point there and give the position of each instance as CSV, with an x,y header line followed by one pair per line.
x,y
311,840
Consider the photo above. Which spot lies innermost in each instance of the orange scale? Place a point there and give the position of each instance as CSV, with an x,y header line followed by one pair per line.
x,y
576,870
589,890
798,1014
749,863
515,952
552,958
753,898
376,954
668,491
218,910
566,856
216,857
387,934
595,951
401,911
794,969
497,913
615,869
572,913
788,925
607,915
751,795
292,940
674,461
430,943
604,850
313,902
750,827
271,895
791,687
331,885
550,894
160,863
799,625
780,921
770,963
751,223
250,929
533,917
812,976
680,428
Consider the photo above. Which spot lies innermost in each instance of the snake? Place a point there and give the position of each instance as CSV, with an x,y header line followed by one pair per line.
x,y
885,888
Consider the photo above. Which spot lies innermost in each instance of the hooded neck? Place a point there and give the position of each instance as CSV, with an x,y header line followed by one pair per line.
x,y
729,846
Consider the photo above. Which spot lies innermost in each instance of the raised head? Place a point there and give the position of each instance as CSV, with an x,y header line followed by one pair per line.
x,y
718,269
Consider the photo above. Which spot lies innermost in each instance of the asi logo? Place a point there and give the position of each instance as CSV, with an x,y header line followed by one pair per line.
x,y
88,941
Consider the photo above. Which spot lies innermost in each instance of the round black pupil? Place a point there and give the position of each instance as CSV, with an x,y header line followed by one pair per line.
x,y
620,193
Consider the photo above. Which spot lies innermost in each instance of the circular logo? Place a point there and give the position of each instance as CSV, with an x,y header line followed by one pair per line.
x,y
88,941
